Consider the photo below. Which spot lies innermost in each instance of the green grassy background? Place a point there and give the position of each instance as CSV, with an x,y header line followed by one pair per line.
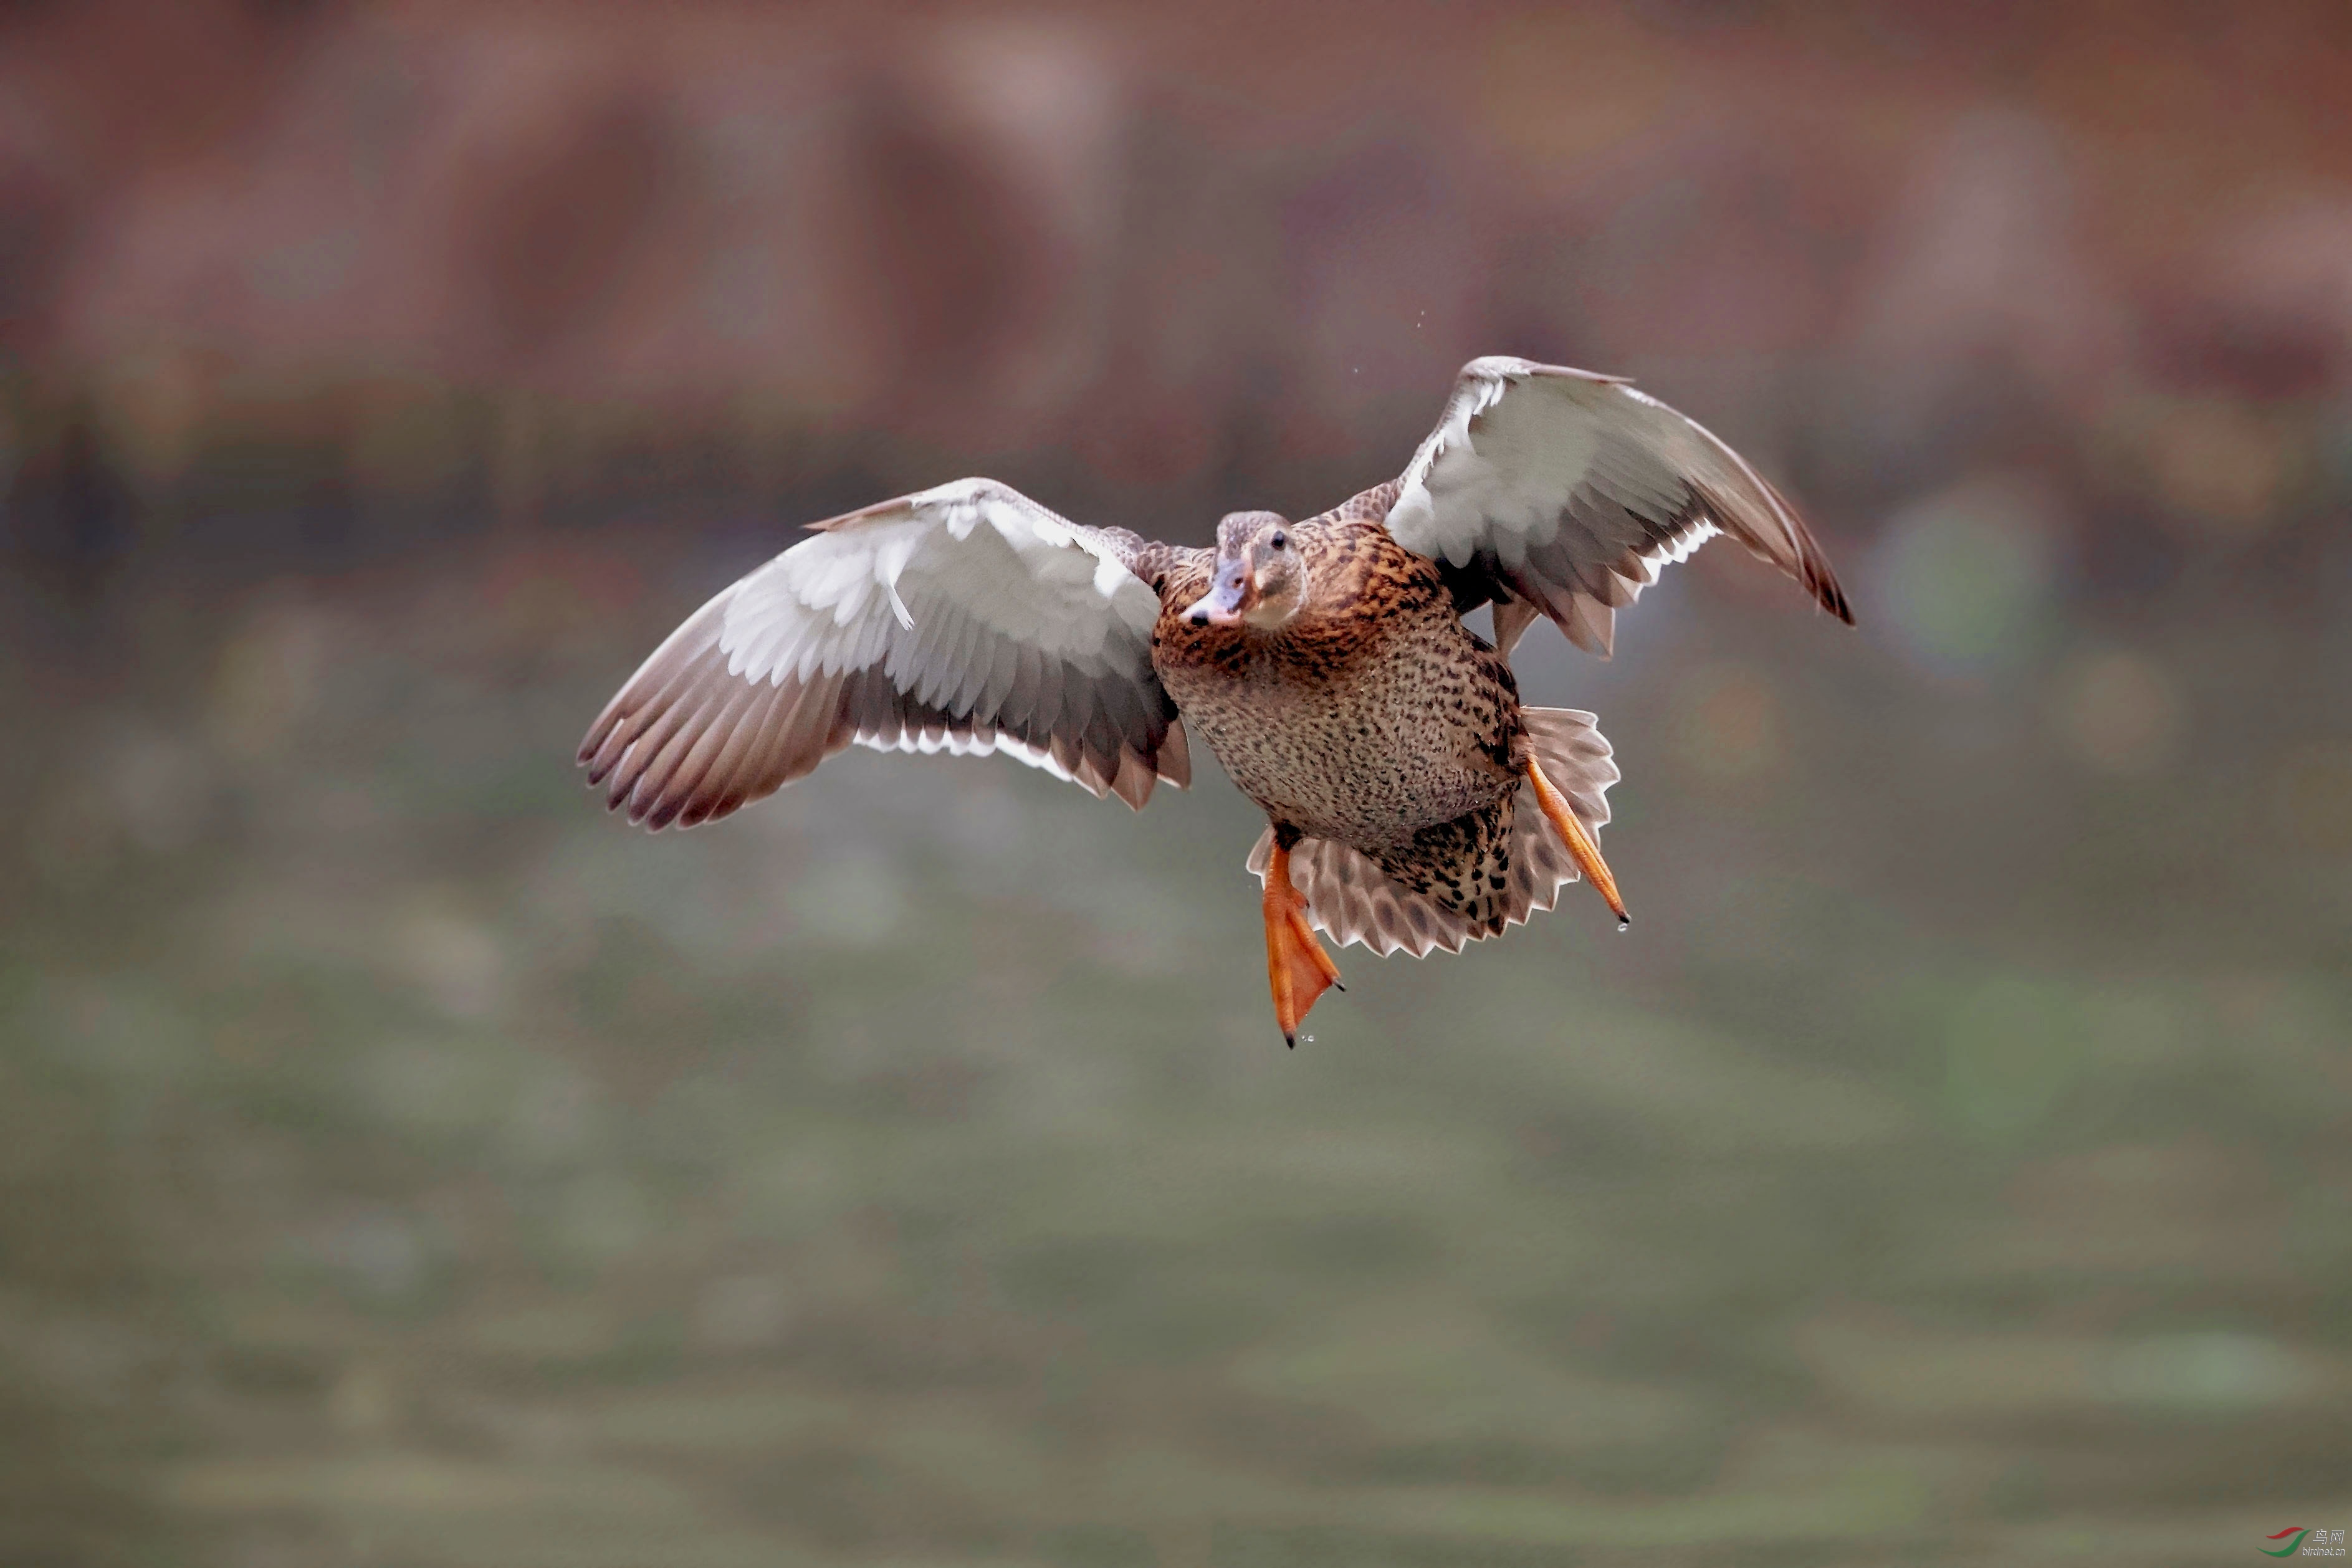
x,y
409,1163
405,1165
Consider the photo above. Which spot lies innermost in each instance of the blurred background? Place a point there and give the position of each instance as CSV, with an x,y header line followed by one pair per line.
x,y
407,1165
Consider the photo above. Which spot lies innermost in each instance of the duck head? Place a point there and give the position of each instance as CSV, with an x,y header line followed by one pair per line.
x,y
1260,579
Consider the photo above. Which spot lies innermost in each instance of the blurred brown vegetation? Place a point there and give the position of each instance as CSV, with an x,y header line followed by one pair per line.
x,y
407,1165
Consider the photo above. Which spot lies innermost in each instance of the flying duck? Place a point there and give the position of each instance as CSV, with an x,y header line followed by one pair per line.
x,y
1412,801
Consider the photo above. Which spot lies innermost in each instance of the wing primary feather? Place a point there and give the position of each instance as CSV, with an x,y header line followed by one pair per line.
x,y
725,772
736,775
717,730
808,737
677,655
638,780
654,692
647,752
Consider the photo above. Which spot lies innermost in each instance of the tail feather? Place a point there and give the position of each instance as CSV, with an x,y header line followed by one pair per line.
x,y
1350,899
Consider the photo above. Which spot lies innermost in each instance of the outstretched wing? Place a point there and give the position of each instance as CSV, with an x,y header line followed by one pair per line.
x,y
966,618
1560,490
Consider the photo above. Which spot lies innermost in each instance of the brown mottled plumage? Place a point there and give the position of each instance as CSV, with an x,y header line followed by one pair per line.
x,y
1374,718
1413,803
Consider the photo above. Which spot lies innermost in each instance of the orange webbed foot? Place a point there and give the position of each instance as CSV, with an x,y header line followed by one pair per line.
x,y
1586,852
1296,967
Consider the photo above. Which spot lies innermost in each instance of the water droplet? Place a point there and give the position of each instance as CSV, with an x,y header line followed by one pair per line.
x,y
1624,924
1308,1038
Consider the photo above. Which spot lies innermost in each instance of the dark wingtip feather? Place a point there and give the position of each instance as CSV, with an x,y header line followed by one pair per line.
x,y
593,740
1835,604
601,758
1812,566
631,803
1821,582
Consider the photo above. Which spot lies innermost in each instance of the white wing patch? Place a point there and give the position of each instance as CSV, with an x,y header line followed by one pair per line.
x,y
1568,489
965,619
925,563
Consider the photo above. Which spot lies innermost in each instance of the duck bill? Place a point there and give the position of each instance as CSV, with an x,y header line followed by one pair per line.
x,y
1234,595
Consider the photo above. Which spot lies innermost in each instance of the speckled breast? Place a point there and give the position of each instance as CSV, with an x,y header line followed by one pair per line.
x,y
1374,713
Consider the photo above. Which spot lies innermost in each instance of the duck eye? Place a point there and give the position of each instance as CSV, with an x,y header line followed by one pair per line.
x,y
1280,540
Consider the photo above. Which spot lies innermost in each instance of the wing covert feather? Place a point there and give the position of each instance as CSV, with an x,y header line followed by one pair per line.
x,y
966,618
1566,490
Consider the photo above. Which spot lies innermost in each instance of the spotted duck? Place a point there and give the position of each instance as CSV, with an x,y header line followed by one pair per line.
x,y
1326,663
